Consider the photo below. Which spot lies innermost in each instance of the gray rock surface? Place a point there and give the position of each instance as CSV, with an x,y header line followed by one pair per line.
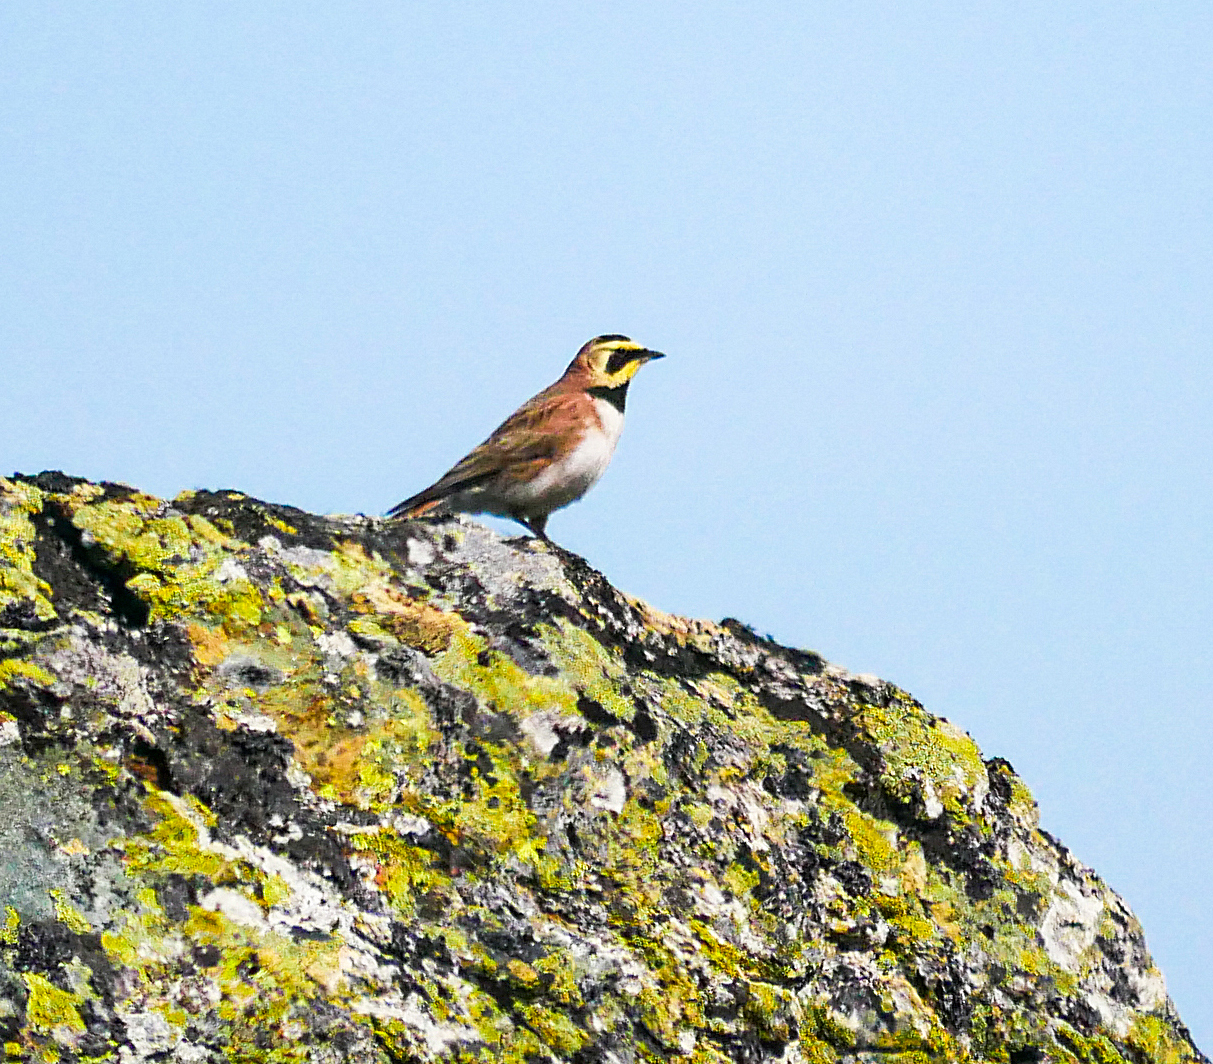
x,y
276,787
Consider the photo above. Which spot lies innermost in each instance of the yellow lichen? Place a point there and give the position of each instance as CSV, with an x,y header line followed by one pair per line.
x,y
414,623
499,682
874,841
12,921
1154,1038
563,974
49,1007
68,914
405,871
176,567
14,669
588,667
916,745
18,584
521,972
556,1030
672,862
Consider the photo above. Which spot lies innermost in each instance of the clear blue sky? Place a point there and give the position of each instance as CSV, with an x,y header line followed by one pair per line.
x,y
934,279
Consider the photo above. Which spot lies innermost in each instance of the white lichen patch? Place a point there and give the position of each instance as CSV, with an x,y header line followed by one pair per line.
x,y
746,802
148,1034
438,1037
546,727
236,907
419,553
482,550
117,679
10,733
1071,923
608,789
228,571
337,645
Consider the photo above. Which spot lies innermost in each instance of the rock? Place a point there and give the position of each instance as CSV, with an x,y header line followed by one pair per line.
x,y
278,787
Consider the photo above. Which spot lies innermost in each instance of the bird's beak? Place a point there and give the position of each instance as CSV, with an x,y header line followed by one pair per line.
x,y
648,356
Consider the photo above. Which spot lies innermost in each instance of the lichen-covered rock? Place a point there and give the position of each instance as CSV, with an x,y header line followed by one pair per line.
x,y
276,787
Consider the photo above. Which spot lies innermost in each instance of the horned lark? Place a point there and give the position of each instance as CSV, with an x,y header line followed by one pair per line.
x,y
551,450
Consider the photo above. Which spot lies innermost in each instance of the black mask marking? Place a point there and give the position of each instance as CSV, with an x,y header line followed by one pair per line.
x,y
619,359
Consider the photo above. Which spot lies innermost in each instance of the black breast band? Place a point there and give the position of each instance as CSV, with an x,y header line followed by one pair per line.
x,y
617,396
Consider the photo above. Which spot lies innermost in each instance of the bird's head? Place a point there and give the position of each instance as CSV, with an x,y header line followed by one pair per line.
x,y
611,361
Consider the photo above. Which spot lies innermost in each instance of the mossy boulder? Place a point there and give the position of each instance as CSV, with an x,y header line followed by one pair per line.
x,y
277,787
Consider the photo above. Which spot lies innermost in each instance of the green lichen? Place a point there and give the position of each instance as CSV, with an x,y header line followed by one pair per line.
x,y
771,1010
873,841
739,880
1087,1050
173,563
499,683
405,871
822,1024
911,926
175,845
917,747
561,973
587,667
1021,805
495,818
673,1004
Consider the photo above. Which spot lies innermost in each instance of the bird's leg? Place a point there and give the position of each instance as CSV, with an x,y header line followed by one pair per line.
x,y
532,524
537,525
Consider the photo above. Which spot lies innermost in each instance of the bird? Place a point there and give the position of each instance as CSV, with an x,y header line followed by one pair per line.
x,y
550,451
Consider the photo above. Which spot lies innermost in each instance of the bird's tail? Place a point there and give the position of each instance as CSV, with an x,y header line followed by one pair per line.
x,y
458,480
417,506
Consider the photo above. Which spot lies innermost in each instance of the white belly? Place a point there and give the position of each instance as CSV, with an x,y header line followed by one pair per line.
x,y
571,477
568,479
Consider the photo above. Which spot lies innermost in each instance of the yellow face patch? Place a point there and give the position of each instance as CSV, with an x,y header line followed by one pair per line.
x,y
617,363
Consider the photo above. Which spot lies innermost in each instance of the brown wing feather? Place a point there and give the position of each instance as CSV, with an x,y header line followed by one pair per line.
x,y
518,449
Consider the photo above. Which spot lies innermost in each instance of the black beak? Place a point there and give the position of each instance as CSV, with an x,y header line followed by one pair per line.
x,y
648,356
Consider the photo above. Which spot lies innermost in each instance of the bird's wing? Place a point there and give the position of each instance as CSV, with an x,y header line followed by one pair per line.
x,y
518,449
